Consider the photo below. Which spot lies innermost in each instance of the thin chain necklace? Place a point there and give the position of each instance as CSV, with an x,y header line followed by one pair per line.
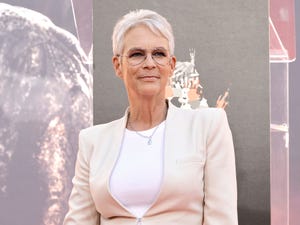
x,y
149,142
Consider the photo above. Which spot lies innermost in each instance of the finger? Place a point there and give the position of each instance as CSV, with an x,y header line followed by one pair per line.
x,y
225,96
219,98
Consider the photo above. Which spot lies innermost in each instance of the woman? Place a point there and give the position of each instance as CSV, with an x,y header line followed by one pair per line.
x,y
158,164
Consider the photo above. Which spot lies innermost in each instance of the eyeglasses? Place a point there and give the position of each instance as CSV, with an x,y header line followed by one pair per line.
x,y
137,56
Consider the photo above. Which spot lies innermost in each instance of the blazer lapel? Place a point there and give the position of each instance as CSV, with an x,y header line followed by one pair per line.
x,y
113,142
169,159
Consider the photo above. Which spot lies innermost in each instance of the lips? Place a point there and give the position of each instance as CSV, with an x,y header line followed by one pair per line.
x,y
149,77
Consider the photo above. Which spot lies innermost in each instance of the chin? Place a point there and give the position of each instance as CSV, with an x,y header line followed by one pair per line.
x,y
150,90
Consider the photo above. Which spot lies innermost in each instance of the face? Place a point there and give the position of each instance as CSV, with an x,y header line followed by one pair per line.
x,y
147,78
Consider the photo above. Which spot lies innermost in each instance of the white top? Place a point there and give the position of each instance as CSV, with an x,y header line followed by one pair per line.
x,y
137,176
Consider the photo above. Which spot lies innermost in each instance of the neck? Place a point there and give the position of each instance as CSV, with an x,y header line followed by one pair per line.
x,y
146,113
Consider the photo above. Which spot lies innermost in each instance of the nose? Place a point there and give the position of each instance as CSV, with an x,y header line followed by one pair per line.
x,y
149,62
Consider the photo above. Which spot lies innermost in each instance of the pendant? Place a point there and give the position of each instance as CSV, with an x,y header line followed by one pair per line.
x,y
149,141
139,221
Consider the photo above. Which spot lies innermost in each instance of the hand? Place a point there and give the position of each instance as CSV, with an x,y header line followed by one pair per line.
x,y
222,100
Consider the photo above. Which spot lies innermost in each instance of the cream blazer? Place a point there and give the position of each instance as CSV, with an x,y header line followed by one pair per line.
x,y
199,178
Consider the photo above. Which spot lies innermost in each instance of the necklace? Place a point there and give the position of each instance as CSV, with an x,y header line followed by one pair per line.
x,y
149,142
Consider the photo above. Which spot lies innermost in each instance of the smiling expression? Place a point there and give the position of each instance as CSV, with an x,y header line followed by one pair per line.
x,y
150,76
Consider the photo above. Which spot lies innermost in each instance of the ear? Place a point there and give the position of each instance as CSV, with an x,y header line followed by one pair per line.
x,y
172,64
117,66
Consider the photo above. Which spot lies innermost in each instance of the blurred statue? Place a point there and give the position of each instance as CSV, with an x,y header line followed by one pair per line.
x,y
45,99
185,89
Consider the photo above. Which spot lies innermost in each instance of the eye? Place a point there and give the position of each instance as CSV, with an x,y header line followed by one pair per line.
x,y
136,55
159,54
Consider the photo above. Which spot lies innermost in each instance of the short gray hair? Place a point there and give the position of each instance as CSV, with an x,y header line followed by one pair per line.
x,y
155,22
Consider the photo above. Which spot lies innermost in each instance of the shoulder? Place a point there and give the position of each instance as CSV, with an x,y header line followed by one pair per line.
x,y
214,118
204,125
203,115
204,122
92,133
213,114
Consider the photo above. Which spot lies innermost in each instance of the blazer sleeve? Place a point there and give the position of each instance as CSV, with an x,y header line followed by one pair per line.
x,y
220,188
81,205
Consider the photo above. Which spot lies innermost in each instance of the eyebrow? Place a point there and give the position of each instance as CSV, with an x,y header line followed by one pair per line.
x,y
142,49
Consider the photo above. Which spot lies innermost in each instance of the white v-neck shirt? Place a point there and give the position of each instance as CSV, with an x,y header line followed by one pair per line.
x,y
137,176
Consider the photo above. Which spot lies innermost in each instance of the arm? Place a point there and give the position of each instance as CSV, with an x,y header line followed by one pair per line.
x,y
220,200
81,206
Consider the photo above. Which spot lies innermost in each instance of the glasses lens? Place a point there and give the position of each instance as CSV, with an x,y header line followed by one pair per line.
x,y
136,59
158,56
161,60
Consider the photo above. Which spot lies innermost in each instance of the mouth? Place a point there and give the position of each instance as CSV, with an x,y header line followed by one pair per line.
x,y
149,77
